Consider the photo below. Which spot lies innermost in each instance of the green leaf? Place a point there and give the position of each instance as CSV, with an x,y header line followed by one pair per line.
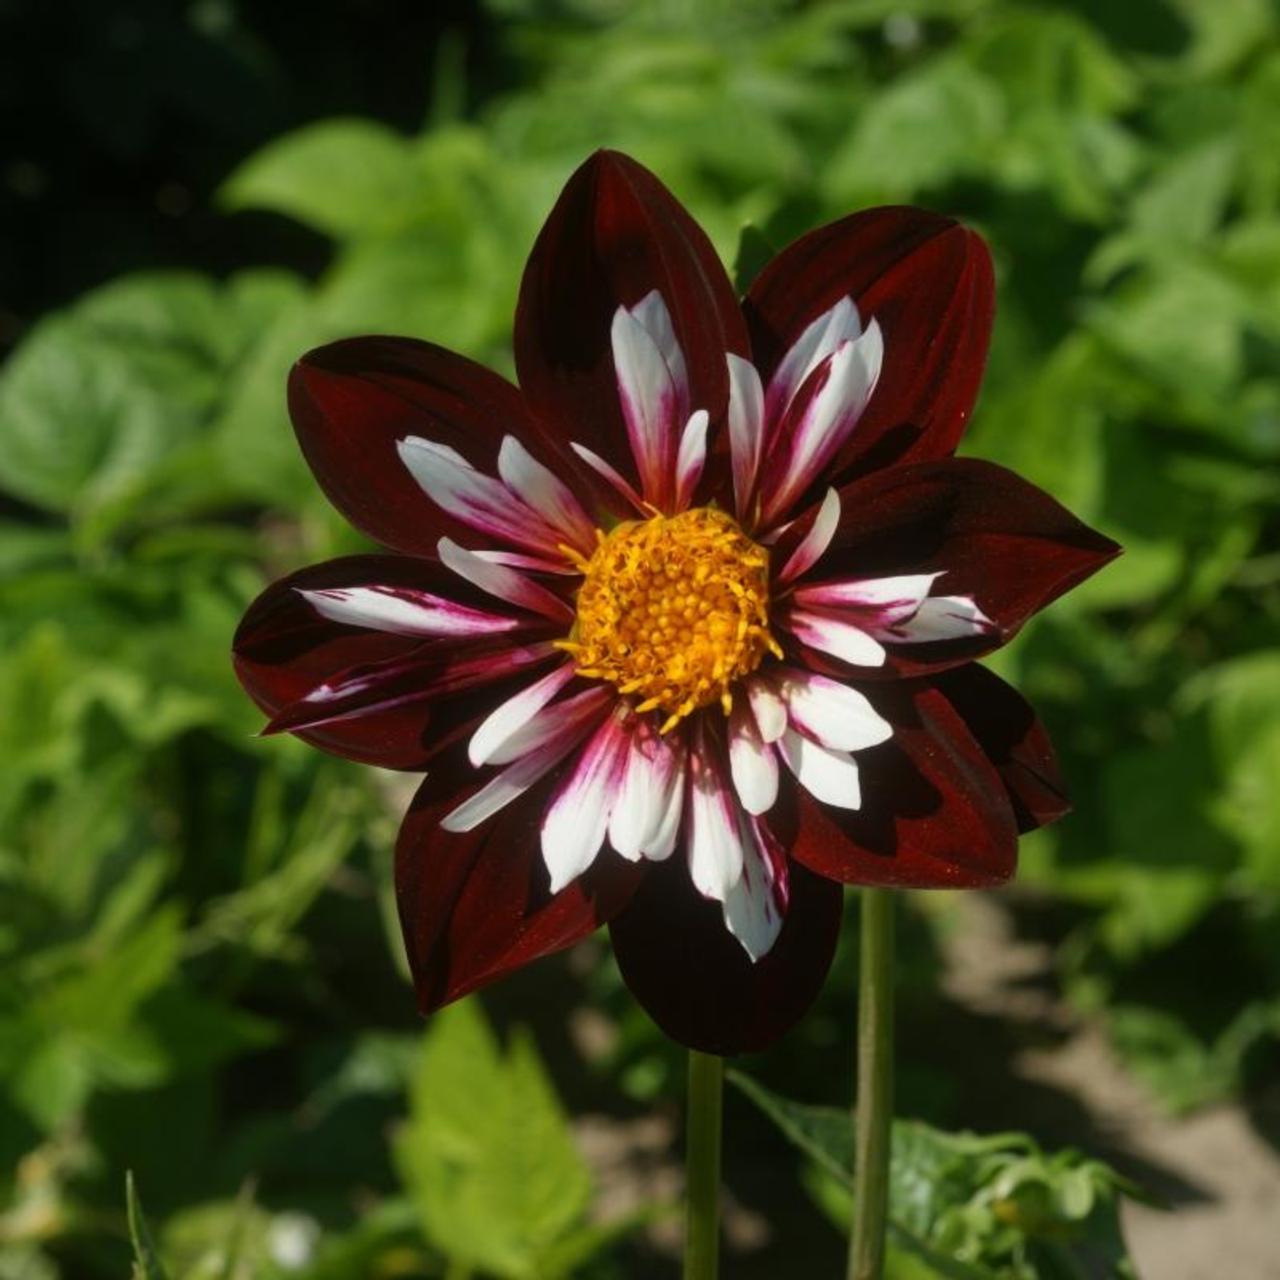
x,y
347,178
146,1262
968,1206
487,1154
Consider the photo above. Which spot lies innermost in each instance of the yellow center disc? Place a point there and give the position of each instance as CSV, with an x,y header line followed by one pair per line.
x,y
673,610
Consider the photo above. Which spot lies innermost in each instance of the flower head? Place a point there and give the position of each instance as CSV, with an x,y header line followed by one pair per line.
x,y
683,631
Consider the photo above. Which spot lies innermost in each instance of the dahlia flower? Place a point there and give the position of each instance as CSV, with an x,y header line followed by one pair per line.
x,y
682,631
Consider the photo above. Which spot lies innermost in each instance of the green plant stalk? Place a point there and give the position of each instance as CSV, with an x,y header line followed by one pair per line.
x,y
874,1110
702,1166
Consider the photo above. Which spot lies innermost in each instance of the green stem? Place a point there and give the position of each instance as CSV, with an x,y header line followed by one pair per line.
x,y
875,1086
702,1166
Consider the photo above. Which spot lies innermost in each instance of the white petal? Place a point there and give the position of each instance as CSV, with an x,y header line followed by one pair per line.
x,y
540,489
831,713
828,418
661,841
506,786
752,762
403,610
575,823
499,580
642,812
515,713
768,708
551,723
888,600
829,776
715,845
839,324
754,908
651,311
692,458
478,500
815,542
648,397
617,481
941,618
746,428
832,634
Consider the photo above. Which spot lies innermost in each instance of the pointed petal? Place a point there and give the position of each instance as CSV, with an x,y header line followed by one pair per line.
x,y
1013,739
651,312
757,904
646,815
542,491
1001,542
882,600
820,340
578,817
476,905
514,714
768,708
928,282
616,235
829,776
648,397
352,402
715,844
691,459
284,650
936,812
832,714
752,762
746,430
697,982
507,584
404,611
620,484
941,618
821,418
828,632
476,500
562,732
822,527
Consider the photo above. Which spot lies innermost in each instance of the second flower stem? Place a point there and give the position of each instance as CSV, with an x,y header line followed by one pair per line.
x,y
702,1166
875,1086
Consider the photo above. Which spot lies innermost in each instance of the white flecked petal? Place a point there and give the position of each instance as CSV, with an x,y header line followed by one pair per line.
x,y
829,776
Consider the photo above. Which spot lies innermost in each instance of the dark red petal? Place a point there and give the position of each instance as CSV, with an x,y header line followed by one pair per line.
x,y
352,401
615,234
1009,732
928,283
994,537
693,977
934,813
283,650
477,905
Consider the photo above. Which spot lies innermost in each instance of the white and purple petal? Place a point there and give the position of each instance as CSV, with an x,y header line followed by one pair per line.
x,y
646,815
405,611
752,761
839,324
502,581
647,393
829,776
832,714
714,841
831,632
746,429
756,906
817,539
541,490
691,459
574,826
514,714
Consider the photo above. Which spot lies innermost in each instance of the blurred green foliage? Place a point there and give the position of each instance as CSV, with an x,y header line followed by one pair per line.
x,y
199,969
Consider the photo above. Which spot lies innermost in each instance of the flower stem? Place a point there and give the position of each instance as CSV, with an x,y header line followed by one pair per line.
x,y
875,1086
702,1166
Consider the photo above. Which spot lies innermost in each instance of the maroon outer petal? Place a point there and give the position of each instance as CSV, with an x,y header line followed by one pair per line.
x,y
352,401
474,906
996,537
615,234
693,977
929,284
283,649
935,814
1013,739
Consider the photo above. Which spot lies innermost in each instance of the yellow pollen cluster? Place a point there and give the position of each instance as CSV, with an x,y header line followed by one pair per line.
x,y
673,610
